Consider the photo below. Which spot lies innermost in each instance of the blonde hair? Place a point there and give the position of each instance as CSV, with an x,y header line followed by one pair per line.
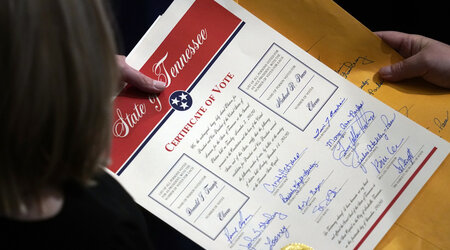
x,y
59,73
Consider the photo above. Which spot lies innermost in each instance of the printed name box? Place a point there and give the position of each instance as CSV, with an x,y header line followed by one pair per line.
x,y
288,87
198,196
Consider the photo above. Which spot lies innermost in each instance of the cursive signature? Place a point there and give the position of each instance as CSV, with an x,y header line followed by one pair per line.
x,y
298,183
243,220
262,225
381,161
441,124
283,172
307,202
402,162
272,241
350,156
345,150
331,194
347,67
329,117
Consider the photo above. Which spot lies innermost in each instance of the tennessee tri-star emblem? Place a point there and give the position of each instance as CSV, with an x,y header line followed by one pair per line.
x,y
180,100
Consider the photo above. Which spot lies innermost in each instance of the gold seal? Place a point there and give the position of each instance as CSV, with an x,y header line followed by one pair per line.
x,y
297,246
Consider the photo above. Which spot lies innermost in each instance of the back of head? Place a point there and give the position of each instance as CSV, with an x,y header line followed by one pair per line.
x,y
58,76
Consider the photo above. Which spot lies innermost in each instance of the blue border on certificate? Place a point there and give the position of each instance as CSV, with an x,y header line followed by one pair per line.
x,y
230,218
318,111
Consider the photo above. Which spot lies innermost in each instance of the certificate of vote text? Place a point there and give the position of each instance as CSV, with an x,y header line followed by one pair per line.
x,y
255,144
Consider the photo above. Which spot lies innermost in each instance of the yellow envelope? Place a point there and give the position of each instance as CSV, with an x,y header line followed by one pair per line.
x,y
333,36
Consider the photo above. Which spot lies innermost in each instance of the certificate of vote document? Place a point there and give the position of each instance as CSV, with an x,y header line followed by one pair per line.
x,y
255,144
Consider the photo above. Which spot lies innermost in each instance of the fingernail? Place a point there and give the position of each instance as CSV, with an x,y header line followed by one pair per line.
x,y
385,71
159,85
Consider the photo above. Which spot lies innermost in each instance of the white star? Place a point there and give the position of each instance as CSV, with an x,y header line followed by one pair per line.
x,y
184,105
183,96
175,101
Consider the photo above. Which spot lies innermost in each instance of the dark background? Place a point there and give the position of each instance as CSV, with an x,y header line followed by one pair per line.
x,y
429,17
133,18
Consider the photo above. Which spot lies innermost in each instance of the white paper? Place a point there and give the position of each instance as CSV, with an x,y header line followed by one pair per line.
x,y
275,147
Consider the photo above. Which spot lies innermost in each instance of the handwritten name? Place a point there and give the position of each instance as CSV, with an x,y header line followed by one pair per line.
x,y
307,202
331,194
403,162
441,124
330,116
381,161
347,67
262,226
272,241
243,220
347,153
298,183
352,114
282,173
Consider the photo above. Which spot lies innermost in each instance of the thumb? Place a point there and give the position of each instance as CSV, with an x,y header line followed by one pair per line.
x,y
141,81
409,68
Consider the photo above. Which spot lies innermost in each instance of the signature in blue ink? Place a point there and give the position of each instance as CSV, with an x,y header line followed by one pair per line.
x,y
282,173
381,161
250,240
242,222
350,156
307,202
331,194
329,117
387,122
346,67
358,126
280,100
352,114
358,108
298,183
272,241
393,149
439,124
402,163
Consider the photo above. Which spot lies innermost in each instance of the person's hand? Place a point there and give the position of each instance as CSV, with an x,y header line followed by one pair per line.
x,y
137,79
424,57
